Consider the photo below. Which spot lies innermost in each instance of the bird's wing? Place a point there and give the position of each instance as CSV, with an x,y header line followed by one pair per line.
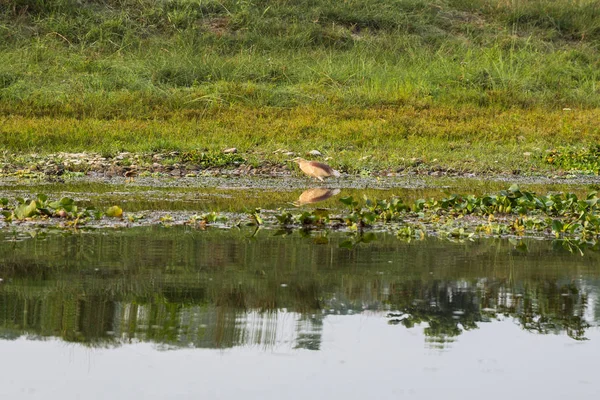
x,y
323,166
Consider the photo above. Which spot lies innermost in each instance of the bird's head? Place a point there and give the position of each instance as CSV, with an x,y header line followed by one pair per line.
x,y
298,160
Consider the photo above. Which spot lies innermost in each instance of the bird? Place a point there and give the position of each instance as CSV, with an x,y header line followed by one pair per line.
x,y
316,169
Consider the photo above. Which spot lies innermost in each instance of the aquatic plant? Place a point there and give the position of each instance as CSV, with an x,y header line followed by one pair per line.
x,y
513,212
509,212
114,211
255,218
206,219
358,217
285,217
357,238
41,207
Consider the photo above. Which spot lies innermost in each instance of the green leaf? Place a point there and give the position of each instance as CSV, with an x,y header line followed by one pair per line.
x,y
114,211
26,210
284,218
514,188
209,217
256,218
45,211
591,201
574,227
369,217
347,200
66,201
557,225
42,197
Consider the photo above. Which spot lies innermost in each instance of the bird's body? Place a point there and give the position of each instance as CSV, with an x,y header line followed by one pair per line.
x,y
316,169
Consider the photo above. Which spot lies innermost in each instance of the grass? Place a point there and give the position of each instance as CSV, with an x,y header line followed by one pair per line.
x,y
355,78
463,139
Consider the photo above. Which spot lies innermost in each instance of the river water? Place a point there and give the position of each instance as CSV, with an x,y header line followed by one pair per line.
x,y
174,312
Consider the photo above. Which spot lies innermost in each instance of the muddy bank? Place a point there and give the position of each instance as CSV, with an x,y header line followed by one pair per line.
x,y
176,169
193,164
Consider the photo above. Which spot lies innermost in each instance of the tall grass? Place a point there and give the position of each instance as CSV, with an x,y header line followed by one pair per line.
x,y
153,58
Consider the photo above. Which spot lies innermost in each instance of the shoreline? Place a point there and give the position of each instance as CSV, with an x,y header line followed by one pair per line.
x,y
173,164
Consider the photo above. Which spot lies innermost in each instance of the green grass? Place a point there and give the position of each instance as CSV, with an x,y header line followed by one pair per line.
x,y
464,139
188,73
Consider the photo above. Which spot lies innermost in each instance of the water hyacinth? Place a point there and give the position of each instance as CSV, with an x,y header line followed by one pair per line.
x,y
513,211
510,212
41,207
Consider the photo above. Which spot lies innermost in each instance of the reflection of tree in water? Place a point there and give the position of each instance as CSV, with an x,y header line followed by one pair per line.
x,y
549,307
180,287
210,317
310,332
446,307
449,308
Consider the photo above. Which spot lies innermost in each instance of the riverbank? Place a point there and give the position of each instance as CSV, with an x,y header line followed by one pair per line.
x,y
540,167
472,87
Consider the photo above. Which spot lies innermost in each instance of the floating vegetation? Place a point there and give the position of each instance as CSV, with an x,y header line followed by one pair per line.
x,y
581,160
509,212
41,208
203,220
513,212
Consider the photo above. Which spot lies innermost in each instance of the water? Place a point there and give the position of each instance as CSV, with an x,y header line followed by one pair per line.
x,y
236,195
178,313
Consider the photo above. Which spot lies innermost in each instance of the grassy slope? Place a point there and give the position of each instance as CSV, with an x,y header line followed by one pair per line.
x,y
471,84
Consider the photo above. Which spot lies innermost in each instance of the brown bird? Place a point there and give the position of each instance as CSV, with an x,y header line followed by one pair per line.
x,y
316,169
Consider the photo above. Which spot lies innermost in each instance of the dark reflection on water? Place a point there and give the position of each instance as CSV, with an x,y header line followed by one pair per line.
x,y
179,287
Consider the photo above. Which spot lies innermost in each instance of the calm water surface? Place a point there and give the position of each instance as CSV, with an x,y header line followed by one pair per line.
x,y
178,313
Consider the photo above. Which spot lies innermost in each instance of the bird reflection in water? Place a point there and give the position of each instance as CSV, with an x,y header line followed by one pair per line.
x,y
315,195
